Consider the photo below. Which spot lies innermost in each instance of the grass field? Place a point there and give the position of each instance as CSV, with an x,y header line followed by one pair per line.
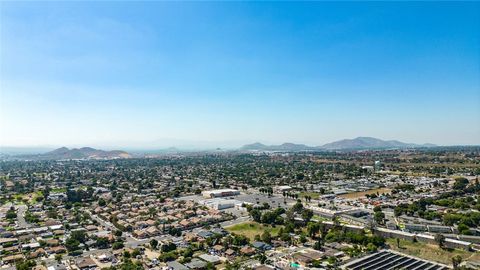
x,y
251,228
57,190
314,195
356,195
432,252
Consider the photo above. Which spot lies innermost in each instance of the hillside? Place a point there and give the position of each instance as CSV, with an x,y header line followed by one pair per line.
x,y
78,153
370,143
357,143
287,147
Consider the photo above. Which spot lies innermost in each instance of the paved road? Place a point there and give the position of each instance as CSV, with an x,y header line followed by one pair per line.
x,y
235,221
22,223
102,222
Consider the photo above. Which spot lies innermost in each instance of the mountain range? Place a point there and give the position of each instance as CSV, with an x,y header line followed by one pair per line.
x,y
359,143
78,153
347,144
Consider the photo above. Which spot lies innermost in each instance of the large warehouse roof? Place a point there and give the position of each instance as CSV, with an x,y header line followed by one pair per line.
x,y
387,259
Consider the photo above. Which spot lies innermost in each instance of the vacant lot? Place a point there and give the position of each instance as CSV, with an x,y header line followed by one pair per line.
x,y
251,228
356,195
431,252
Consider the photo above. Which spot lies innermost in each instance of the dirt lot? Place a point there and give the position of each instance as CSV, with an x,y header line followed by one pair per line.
x,y
356,195
432,252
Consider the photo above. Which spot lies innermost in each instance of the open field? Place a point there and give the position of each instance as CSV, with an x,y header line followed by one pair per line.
x,y
252,228
356,195
314,195
432,252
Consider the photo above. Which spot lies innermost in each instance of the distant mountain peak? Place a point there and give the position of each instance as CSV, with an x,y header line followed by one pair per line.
x,y
60,150
282,147
254,146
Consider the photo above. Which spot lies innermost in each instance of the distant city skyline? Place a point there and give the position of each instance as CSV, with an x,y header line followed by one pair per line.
x,y
160,74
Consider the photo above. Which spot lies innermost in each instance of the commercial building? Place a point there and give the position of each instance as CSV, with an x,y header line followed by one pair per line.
x,y
219,203
281,189
220,193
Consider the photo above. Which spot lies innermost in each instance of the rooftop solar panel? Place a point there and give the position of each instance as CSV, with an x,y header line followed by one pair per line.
x,y
403,264
389,260
369,261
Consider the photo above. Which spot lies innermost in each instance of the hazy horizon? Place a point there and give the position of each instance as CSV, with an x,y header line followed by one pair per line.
x,y
180,145
167,74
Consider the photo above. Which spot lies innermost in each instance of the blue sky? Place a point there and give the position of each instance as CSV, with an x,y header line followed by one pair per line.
x,y
148,74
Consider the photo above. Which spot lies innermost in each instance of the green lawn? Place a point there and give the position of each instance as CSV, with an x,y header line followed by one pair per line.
x,y
319,218
35,195
314,195
431,252
251,228
58,190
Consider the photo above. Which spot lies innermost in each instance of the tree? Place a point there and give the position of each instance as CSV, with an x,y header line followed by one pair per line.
x,y
11,214
307,214
256,215
168,247
127,265
440,239
262,258
210,266
456,261
332,260
188,253
266,237
303,239
318,245
25,265
379,217
154,243
460,183
313,228
232,266
101,242
80,236
297,207
286,237
135,253
58,258
371,247
152,211
269,217
117,245
72,244
101,202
